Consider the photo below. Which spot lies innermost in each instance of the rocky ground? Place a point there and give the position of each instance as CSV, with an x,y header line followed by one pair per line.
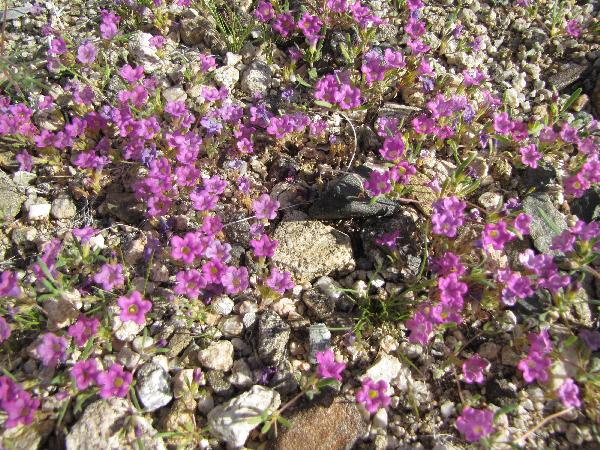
x,y
204,367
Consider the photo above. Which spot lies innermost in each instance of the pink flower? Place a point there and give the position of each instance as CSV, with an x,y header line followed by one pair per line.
x,y
8,284
264,11
535,367
502,123
373,395
263,246
568,393
4,330
19,405
475,424
573,28
473,369
530,155
393,148
496,235
189,283
448,215
82,330
134,308
188,248
265,207
85,373
328,367
86,53
522,223
280,281
540,343
452,290
114,382
378,183
283,24
420,327
52,349
110,276
235,280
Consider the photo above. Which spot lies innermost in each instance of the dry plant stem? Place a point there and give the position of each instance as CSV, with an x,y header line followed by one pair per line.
x,y
541,424
355,140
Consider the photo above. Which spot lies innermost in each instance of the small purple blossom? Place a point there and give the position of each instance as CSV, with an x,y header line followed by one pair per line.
x,y
134,308
328,367
372,395
475,424
52,349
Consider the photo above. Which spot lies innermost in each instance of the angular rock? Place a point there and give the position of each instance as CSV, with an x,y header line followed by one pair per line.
x,y
142,52
62,312
232,422
390,369
227,76
219,383
567,75
63,208
587,207
27,437
312,249
344,198
10,198
241,374
257,78
338,426
319,305
217,356
273,336
101,425
123,331
153,386
546,220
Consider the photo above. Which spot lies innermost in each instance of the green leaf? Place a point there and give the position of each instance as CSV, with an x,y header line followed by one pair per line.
x,y
302,82
283,421
570,341
323,103
266,427
572,99
505,410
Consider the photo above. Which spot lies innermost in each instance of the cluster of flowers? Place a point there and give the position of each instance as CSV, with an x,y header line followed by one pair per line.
x,y
372,394
17,403
113,382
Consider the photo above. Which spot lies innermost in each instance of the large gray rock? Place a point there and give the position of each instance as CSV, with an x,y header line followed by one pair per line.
x,y
344,198
153,386
273,336
257,78
310,249
232,421
102,426
546,220
10,198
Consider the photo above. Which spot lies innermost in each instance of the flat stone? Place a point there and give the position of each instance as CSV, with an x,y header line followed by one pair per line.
x,y
567,75
310,249
232,422
101,425
319,339
63,208
10,198
273,336
338,426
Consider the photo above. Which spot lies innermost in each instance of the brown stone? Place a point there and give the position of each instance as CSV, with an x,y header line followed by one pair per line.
x,y
335,427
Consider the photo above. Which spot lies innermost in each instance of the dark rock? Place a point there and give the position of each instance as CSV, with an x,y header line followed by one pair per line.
x,y
124,206
10,198
498,389
273,336
587,207
344,198
237,230
567,75
398,111
283,380
319,305
539,178
409,243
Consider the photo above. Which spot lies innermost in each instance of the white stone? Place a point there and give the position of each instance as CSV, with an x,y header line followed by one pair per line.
x,y
241,374
39,211
217,356
222,305
232,421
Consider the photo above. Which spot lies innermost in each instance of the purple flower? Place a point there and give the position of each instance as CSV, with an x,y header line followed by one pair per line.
x,y
496,235
420,327
110,276
8,284
134,308
328,367
114,382
473,369
18,404
502,123
448,215
591,339
85,373
310,25
535,367
264,11
378,183
189,283
568,393
388,239
475,424
393,148
265,207
540,343
573,28
58,46
284,24
130,74
521,223
25,161
280,281
530,155
84,234
86,53
52,349
264,246
82,330
452,290
5,330
235,280
373,395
